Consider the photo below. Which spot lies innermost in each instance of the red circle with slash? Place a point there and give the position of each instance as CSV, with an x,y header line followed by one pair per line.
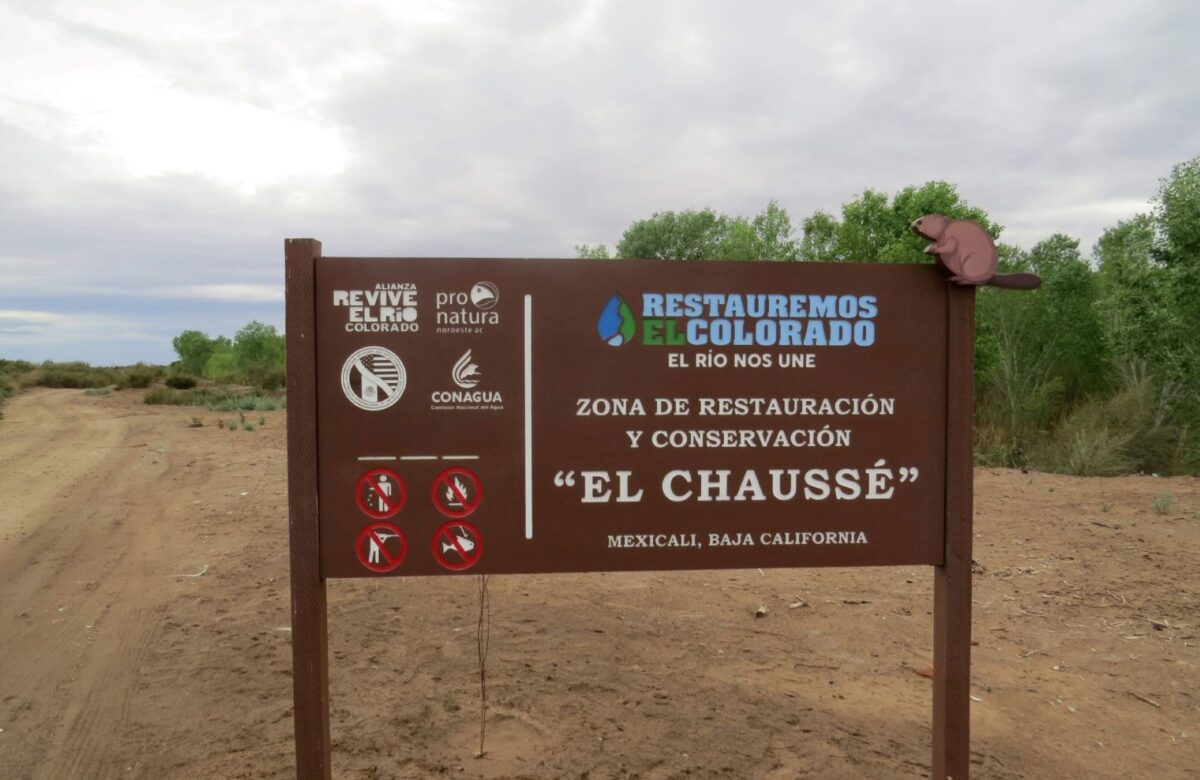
x,y
372,549
457,545
457,492
385,504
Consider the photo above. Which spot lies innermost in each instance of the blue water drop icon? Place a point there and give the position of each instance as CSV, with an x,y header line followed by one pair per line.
x,y
616,324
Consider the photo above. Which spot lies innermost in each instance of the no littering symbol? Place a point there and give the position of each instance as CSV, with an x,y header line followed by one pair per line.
x,y
380,493
457,545
381,547
457,492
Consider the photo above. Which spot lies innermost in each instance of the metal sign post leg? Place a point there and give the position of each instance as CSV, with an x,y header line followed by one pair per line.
x,y
952,580
310,660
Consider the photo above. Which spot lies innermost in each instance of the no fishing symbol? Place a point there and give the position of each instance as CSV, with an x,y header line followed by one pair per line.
x,y
457,492
380,493
457,545
381,547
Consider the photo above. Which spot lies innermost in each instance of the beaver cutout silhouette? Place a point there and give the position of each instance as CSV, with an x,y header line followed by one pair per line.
x,y
968,253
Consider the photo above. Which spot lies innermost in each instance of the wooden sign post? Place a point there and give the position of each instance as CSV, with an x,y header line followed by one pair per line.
x,y
454,416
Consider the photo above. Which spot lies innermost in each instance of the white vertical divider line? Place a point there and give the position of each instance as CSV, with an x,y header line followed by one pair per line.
x,y
528,417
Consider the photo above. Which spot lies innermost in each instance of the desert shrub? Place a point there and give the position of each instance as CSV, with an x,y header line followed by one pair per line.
x,y
994,447
15,367
249,403
196,396
139,376
180,381
76,375
1124,433
98,391
1163,503
1086,447
270,378
222,367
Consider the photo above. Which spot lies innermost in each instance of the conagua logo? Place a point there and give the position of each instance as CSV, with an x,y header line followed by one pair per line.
x,y
616,325
465,373
467,396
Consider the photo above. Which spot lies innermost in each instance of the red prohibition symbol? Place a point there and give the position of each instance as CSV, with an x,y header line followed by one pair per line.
x,y
380,493
457,492
373,550
457,545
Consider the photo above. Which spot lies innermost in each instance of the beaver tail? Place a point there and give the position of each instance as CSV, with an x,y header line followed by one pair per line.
x,y
1021,281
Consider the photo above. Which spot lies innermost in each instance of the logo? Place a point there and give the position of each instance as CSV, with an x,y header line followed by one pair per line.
x,y
616,325
390,307
373,378
466,396
485,295
468,312
466,374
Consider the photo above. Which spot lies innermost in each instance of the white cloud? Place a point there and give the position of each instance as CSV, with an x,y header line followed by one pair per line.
x,y
23,329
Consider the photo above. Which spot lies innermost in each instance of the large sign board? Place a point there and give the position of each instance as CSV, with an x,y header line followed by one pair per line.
x,y
630,415
457,416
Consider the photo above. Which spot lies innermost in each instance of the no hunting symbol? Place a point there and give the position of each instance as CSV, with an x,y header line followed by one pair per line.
x,y
381,547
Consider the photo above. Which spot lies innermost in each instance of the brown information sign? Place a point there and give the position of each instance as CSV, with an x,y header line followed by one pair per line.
x,y
630,415
522,416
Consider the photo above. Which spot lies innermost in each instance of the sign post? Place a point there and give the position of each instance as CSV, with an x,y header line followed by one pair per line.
x,y
587,416
310,641
952,579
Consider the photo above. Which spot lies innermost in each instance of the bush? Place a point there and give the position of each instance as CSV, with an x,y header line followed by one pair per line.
x,y
1086,448
181,381
75,375
197,396
1118,435
249,403
139,376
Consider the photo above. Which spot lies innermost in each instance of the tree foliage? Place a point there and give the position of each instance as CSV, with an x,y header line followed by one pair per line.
x,y
705,235
255,356
875,228
194,349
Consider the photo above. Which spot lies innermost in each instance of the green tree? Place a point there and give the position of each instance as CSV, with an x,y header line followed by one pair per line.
x,y
705,235
259,351
1150,273
874,228
589,252
194,349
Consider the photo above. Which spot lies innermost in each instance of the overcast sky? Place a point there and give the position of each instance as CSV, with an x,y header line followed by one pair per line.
x,y
153,156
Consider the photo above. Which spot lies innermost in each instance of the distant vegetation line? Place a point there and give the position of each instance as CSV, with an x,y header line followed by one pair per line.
x,y
243,374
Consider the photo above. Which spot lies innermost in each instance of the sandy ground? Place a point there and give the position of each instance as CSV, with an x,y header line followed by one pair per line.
x,y
116,664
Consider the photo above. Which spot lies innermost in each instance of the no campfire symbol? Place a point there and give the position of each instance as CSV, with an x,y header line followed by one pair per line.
x,y
457,492
457,545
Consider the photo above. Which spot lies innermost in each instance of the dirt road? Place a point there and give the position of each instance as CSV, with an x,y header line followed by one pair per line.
x,y
116,662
